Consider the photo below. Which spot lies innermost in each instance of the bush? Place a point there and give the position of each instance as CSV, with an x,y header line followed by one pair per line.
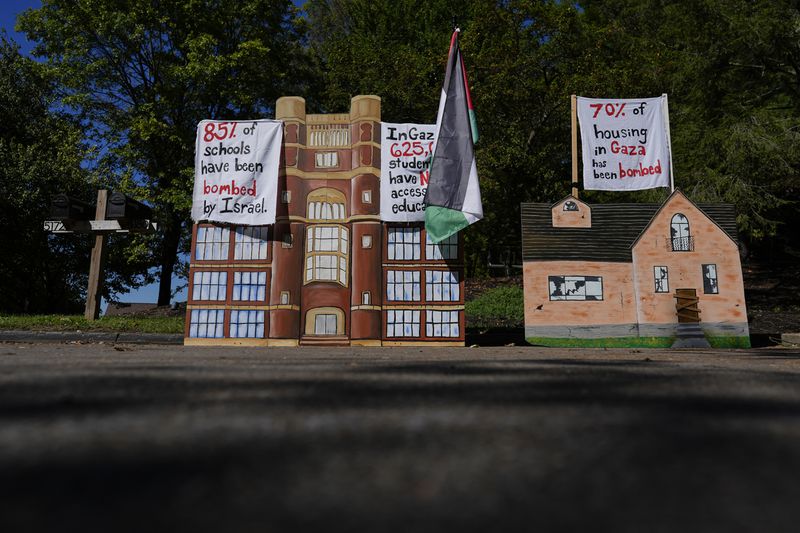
x,y
498,307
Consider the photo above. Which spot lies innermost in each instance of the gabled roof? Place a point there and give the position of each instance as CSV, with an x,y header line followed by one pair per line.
x,y
615,228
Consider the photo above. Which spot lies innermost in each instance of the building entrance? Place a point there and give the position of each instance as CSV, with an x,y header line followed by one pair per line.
x,y
324,321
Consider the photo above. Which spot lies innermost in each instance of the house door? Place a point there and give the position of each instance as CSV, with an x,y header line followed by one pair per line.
x,y
686,305
325,324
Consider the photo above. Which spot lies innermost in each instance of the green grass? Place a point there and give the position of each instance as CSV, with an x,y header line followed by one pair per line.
x,y
498,307
634,342
609,342
728,341
77,322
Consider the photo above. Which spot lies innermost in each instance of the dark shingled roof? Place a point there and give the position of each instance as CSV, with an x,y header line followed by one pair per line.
x,y
615,227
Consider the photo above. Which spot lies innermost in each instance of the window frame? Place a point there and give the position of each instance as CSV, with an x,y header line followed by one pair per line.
x,y
241,239
665,279
679,242
392,285
573,278
313,257
452,286
258,286
431,323
221,285
715,285
259,324
223,244
393,324
195,324
396,249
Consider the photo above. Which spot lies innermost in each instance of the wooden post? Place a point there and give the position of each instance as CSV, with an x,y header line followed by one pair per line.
x,y
574,122
93,292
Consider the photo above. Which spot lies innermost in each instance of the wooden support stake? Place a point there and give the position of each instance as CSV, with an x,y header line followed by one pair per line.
x,y
93,292
574,122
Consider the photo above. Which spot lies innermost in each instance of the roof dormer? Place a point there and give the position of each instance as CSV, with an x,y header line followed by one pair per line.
x,y
571,213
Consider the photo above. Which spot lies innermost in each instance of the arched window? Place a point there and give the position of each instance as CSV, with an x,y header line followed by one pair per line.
x,y
327,243
679,233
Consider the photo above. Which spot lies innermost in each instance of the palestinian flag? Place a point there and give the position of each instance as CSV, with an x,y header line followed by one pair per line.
x,y
453,199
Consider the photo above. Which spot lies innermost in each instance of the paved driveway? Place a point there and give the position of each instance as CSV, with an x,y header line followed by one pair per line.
x,y
103,438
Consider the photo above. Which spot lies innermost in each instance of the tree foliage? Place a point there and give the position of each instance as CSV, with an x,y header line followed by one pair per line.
x,y
730,68
44,153
40,152
141,74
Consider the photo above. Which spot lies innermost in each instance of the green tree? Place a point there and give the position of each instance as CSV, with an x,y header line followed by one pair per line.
x,y
516,56
141,74
40,154
732,71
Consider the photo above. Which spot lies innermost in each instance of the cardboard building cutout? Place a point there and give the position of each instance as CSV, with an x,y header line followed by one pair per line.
x,y
329,271
632,274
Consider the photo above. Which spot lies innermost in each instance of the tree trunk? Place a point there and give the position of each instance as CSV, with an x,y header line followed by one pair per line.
x,y
169,254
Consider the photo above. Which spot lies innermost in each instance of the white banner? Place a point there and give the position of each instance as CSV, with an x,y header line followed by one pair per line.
x,y
625,143
236,171
405,166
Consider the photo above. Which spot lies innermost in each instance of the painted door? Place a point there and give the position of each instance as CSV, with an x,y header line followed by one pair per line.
x,y
686,305
325,324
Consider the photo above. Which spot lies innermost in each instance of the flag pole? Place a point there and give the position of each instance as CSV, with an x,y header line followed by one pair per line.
x,y
574,121
669,144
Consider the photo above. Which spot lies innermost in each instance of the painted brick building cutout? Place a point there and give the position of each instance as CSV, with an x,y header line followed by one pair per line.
x,y
329,271
607,275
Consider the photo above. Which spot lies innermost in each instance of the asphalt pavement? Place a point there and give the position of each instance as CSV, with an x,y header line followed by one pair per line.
x,y
114,437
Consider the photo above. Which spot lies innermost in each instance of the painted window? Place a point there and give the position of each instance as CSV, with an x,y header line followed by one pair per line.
x,y
404,244
206,323
447,249
441,286
366,241
326,159
212,243
328,135
250,242
403,286
576,287
247,324
327,245
284,298
661,276
710,285
326,210
441,323
326,254
402,323
366,197
250,286
209,285
680,235
366,298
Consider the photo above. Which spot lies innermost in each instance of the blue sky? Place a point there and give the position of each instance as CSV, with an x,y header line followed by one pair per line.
x,y
8,15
